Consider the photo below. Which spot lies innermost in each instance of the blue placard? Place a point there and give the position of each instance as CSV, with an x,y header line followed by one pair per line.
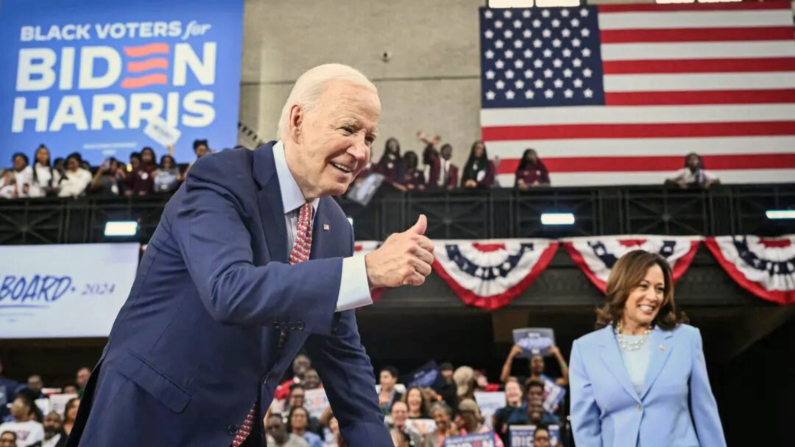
x,y
89,75
534,341
478,440
522,435
425,376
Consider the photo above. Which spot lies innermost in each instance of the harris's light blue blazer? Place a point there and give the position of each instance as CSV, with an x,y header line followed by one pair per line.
x,y
675,408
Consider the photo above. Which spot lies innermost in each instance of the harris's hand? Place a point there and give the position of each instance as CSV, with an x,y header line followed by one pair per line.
x,y
405,258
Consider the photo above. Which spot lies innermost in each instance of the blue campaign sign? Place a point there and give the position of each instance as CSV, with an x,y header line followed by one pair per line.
x,y
425,376
522,435
478,440
91,75
534,341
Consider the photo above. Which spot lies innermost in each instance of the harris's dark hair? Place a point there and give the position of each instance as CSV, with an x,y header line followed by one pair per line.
x,y
626,275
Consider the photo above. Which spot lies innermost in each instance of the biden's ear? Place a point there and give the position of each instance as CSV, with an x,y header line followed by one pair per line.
x,y
295,123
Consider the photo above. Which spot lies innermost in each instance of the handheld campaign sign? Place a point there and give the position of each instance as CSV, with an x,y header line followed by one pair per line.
x,y
91,75
534,341
425,376
479,440
522,435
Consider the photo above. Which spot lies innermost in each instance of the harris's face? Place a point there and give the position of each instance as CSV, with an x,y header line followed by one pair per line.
x,y
645,300
334,139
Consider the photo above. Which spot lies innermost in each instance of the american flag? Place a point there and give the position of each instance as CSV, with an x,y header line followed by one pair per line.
x,y
619,94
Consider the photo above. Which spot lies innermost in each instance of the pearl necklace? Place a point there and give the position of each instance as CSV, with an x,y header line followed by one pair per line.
x,y
631,345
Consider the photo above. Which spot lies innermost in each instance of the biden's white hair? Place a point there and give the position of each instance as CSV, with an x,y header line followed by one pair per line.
x,y
311,85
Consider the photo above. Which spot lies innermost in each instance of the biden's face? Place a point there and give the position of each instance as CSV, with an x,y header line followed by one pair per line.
x,y
333,139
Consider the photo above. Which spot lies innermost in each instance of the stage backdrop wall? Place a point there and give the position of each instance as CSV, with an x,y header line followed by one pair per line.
x,y
92,75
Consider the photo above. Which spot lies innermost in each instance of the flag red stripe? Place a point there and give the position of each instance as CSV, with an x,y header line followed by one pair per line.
x,y
646,164
651,130
696,34
700,97
766,64
696,7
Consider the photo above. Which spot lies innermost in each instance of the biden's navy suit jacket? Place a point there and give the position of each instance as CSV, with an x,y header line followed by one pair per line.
x,y
216,315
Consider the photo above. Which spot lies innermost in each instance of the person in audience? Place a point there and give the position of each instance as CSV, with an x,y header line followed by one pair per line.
x,y
75,179
201,148
449,175
400,414
70,414
82,376
301,364
413,178
26,423
469,421
693,175
482,383
60,165
299,425
143,176
167,175
334,427
537,367
388,394
513,412
535,397
430,159
531,171
69,388
8,388
54,436
277,434
391,164
44,177
443,416
8,439
21,176
35,385
479,170
417,402
105,181
541,436
446,387
312,380
296,399
464,378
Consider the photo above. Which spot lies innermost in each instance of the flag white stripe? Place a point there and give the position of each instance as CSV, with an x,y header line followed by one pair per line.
x,y
698,81
633,147
539,116
696,50
694,19
744,176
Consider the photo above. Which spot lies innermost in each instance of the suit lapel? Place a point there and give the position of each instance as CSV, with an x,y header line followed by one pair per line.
x,y
269,200
611,356
661,347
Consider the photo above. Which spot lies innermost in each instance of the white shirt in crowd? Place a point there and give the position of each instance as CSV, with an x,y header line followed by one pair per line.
x,y
688,176
39,184
28,433
445,172
74,183
23,177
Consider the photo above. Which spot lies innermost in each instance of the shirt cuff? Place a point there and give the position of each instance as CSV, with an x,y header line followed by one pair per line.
x,y
354,288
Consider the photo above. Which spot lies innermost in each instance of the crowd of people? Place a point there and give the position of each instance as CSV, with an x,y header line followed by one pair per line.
x,y
144,175
450,403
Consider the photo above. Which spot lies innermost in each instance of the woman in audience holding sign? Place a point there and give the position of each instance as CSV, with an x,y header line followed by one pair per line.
x,y
641,379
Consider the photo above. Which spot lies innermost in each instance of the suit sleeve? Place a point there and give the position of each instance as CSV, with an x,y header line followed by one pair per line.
x,y
216,248
702,402
347,375
585,423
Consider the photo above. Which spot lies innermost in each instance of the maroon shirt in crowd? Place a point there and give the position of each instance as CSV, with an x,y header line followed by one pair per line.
x,y
143,179
533,173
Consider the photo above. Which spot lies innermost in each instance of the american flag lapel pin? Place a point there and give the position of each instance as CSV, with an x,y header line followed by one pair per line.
x,y
326,227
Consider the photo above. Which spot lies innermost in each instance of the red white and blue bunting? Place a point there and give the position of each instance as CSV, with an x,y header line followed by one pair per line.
x,y
596,255
490,274
764,267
